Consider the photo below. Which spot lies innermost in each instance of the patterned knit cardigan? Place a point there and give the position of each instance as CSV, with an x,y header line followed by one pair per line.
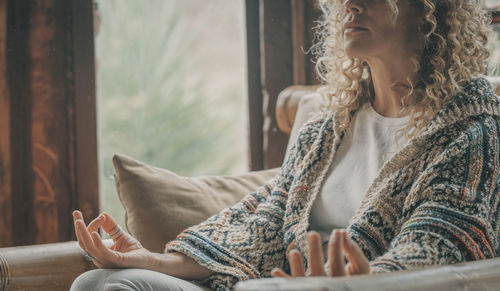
x,y
435,202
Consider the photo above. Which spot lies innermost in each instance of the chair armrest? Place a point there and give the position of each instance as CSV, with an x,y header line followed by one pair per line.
x,y
495,82
478,275
288,103
42,267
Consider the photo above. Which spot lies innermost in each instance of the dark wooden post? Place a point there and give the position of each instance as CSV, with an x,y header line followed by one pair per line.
x,y
276,72
495,15
279,33
305,13
48,153
255,134
86,195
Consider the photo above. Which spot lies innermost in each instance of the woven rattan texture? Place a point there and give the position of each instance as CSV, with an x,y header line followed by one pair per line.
x,y
4,274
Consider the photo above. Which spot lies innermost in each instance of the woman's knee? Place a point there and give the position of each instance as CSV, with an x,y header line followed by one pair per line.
x,y
91,280
130,279
103,280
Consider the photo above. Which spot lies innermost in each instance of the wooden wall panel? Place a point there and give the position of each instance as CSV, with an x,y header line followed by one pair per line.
x,y
50,142
18,78
49,154
5,161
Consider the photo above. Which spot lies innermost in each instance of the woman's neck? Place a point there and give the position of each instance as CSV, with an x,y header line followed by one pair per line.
x,y
389,83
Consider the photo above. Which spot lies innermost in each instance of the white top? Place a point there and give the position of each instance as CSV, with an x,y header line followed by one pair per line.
x,y
357,162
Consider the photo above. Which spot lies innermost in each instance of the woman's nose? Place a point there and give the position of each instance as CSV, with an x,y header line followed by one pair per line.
x,y
353,7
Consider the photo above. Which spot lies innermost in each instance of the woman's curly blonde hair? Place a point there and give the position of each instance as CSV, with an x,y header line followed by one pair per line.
x,y
454,35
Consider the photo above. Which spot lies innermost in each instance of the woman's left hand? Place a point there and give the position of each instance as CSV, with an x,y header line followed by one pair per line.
x,y
339,244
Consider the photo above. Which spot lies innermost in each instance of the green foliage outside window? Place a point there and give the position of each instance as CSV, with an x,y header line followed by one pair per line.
x,y
170,84
494,60
494,44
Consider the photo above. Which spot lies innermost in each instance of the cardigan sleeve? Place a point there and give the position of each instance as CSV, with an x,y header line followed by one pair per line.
x,y
453,207
241,242
232,242
245,241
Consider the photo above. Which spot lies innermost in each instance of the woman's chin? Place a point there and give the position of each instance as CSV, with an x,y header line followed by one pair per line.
x,y
356,49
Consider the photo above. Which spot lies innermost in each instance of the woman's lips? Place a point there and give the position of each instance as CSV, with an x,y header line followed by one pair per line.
x,y
354,29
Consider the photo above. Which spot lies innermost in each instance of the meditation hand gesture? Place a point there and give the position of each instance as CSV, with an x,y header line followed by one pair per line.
x,y
339,244
126,252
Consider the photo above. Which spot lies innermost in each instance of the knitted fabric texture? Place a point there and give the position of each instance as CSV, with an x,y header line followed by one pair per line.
x,y
435,202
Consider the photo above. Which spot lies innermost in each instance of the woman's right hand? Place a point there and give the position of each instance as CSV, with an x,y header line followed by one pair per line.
x,y
126,252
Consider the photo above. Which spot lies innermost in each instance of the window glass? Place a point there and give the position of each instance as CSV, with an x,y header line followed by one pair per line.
x,y
170,84
494,43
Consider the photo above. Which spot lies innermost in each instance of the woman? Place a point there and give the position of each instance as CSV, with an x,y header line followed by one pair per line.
x,y
406,159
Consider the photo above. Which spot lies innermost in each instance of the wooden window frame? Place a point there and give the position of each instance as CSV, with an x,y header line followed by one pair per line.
x,y
278,33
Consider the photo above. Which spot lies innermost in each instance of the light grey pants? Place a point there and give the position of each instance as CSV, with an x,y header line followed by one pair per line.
x,y
130,279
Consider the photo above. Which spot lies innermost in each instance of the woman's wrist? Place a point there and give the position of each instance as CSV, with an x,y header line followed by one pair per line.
x,y
178,265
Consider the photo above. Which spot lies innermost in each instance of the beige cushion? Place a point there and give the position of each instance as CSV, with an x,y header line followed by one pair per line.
x,y
160,204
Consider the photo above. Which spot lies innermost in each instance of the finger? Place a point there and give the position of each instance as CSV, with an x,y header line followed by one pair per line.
x,y
349,270
78,231
279,273
358,263
98,264
96,223
111,227
77,215
296,264
84,238
75,219
316,258
109,224
104,255
94,260
103,259
79,239
335,254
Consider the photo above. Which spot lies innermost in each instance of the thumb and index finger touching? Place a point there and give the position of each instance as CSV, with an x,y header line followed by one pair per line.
x,y
104,220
